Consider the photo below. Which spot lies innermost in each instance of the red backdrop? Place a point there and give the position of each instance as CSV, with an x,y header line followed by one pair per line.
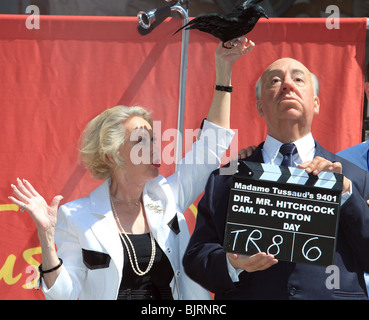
x,y
55,79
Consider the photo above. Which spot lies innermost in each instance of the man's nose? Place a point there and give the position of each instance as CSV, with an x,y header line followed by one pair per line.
x,y
288,84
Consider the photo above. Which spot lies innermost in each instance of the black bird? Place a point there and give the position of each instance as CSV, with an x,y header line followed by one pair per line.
x,y
237,23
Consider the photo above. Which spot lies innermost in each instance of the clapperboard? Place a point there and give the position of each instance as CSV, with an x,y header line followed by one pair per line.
x,y
285,212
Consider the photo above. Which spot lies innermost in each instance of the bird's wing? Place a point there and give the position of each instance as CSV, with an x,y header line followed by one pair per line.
x,y
211,23
241,7
244,5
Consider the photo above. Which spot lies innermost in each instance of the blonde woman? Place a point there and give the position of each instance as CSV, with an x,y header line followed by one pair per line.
x,y
127,239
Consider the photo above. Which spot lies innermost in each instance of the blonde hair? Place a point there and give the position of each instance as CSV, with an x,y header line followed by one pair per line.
x,y
103,137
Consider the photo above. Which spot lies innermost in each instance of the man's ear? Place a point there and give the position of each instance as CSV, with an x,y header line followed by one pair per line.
x,y
259,108
316,105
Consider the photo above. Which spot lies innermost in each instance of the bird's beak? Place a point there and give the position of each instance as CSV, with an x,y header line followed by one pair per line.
x,y
265,16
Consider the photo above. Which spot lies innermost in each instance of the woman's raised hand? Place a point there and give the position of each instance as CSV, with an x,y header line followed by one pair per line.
x,y
27,198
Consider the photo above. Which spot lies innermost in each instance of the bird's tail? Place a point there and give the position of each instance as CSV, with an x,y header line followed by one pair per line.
x,y
178,30
187,26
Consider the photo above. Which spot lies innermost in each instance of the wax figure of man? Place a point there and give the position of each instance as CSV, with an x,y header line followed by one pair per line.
x,y
287,98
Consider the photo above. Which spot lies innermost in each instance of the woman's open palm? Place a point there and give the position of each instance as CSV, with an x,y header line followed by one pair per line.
x,y
27,198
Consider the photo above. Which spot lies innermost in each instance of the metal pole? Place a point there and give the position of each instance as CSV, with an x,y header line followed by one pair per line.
x,y
182,88
146,20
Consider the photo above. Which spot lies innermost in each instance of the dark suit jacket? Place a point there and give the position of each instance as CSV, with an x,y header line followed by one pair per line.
x,y
205,260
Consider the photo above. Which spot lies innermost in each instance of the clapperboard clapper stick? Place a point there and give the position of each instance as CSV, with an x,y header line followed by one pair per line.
x,y
285,212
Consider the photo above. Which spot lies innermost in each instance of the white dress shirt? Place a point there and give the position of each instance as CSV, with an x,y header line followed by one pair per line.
x,y
305,150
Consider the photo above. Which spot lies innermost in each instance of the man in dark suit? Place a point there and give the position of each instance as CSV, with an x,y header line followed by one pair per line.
x,y
287,98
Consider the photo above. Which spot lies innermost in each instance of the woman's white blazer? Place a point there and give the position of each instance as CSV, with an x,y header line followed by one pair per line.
x,y
87,237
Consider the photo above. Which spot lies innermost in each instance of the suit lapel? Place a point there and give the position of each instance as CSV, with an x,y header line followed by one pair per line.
x,y
105,228
321,152
257,155
160,211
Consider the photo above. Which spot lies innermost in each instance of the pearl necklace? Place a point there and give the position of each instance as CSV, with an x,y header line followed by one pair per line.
x,y
134,264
